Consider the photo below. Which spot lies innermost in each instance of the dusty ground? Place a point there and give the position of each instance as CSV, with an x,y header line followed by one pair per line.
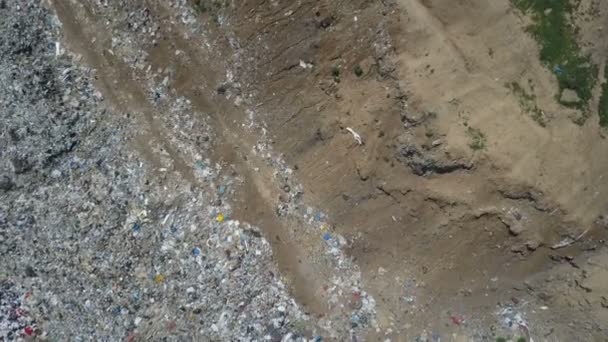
x,y
458,215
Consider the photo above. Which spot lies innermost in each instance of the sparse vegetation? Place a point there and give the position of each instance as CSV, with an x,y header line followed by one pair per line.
x,y
503,339
527,101
358,70
478,139
559,50
603,105
335,72
200,6
209,6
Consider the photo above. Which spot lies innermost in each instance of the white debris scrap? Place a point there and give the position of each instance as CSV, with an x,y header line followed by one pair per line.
x,y
355,135
305,65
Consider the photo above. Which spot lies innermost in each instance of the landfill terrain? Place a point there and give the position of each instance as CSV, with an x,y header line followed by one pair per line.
x,y
303,170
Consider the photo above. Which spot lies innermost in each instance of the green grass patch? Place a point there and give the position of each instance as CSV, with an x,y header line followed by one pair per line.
x,y
335,72
358,70
478,139
527,101
603,106
559,50
201,6
210,7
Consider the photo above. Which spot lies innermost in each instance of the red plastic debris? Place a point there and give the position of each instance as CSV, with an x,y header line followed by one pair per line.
x,y
171,326
458,320
19,312
29,331
357,295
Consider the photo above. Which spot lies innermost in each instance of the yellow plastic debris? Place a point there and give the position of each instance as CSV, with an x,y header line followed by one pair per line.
x,y
220,218
159,278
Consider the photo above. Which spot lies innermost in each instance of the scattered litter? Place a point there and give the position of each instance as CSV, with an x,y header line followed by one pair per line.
x,y
58,51
305,65
558,70
196,251
222,189
220,218
159,278
166,218
200,165
116,310
355,135
512,319
326,236
409,299
15,316
29,331
568,241
457,320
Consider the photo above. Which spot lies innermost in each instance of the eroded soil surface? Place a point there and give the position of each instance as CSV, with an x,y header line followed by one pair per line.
x,y
308,170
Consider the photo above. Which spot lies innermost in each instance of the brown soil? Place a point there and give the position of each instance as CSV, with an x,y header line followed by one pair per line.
x,y
440,231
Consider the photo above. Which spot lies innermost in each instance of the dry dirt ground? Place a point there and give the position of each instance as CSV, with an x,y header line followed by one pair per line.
x,y
466,219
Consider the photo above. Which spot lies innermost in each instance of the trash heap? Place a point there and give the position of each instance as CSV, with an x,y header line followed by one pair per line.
x,y
95,243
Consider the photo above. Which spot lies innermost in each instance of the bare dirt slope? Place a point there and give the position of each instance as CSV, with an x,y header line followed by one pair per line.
x,y
440,228
406,190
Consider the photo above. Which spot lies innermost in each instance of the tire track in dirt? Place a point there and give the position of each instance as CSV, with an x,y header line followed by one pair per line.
x,y
115,83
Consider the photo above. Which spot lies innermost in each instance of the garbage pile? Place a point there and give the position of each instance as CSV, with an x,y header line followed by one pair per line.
x,y
93,243
98,242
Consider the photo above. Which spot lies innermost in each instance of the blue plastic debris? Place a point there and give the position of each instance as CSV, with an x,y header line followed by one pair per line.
x,y
326,236
136,227
354,320
221,190
318,339
558,70
196,251
318,217
200,165
116,310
